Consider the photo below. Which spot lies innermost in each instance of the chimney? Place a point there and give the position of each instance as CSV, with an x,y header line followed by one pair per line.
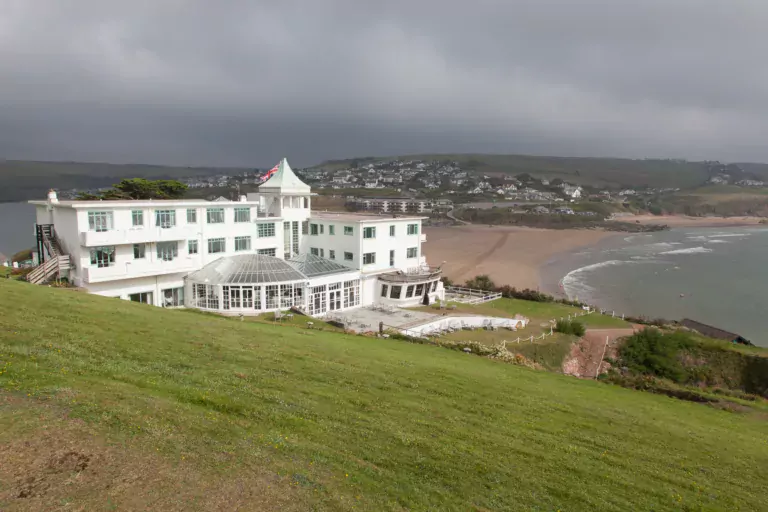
x,y
52,197
243,199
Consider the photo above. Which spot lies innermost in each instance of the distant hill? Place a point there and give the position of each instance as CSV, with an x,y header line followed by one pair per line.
x,y
21,180
590,171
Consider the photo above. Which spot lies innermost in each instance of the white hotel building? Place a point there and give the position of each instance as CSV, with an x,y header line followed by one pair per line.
x,y
266,252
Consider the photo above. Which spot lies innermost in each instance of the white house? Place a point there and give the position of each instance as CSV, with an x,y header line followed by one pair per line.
x,y
265,252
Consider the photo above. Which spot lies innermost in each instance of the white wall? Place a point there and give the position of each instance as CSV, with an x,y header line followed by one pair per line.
x,y
126,287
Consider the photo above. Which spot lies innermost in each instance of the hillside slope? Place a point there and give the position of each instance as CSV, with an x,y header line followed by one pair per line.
x,y
332,421
591,171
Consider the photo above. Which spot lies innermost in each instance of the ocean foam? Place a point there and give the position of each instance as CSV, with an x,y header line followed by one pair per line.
x,y
722,235
689,250
718,242
697,238
575,287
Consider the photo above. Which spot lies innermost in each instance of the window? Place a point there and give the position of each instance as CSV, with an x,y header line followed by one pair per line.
x,y
295,237
216,245
351,293
392,230
369,258
331,229
409,292
314,251
268,252
192,247
266,230
273,296
242,215
139,251
305,227
103,256
215,215
286,240
348,230
322,253
165,218
413,229
384,290
332,254
348,256
100,221
144,297
191,216
314,229
173,297
412,252
392,258
167,251
242,243
396,290
419,290
322,229
137,218
369,232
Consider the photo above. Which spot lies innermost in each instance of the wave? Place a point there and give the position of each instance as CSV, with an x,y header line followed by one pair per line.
x,y
697,238
575,287
722,235
689,250
718,242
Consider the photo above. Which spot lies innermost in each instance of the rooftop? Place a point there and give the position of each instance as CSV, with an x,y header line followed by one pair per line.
x,y
246,269
362,217
313,266
142,203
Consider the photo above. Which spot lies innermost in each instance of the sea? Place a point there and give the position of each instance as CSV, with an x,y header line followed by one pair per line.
x,y
17,227
717,276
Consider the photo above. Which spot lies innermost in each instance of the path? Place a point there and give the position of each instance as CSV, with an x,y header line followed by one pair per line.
x,y
450,215
588,354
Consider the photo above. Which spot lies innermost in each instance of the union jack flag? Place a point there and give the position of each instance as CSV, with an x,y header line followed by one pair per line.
x,y
270,173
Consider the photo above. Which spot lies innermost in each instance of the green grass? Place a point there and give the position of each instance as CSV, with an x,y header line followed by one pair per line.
x,y
367,424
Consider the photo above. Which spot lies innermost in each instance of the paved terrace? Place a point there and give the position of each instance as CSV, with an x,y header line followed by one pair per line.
x,y
367,319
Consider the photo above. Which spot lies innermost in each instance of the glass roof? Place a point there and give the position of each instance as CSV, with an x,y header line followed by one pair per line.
x,y
312,266
246,268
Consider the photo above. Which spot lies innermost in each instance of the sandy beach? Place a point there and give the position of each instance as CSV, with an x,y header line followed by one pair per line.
x,y
685,221
509,255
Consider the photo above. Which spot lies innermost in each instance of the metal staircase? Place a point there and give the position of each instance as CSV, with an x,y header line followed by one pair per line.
x,y
53,261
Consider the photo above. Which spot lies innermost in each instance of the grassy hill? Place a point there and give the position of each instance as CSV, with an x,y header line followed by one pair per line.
x,y
22,180
111,405
592,171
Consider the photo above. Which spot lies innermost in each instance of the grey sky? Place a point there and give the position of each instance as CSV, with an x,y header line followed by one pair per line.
x,y
233,82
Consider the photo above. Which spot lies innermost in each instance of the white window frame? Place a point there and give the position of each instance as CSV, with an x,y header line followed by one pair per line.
x,y
331,254
392,230
137,218
165,218
369,232
214,215
217,243
193,247
369,258
412,252
167,251
242,214
103,257
239,240
101,221
266,230
349,230
270,251
348,256
141,250
413,229
191,216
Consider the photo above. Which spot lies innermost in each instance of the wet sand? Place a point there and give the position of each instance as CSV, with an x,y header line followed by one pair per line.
x,y
685,221
509,255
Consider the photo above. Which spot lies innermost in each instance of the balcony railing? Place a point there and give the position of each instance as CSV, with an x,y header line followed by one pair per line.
x,y
413,275
137,236
139,268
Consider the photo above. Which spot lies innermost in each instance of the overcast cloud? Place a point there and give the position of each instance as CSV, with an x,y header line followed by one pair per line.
x,y
233,82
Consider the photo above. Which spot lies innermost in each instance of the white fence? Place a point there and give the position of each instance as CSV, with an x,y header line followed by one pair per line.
x,y
469,295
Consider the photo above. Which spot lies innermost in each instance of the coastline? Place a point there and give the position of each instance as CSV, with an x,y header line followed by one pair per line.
x,y
510,255
675,221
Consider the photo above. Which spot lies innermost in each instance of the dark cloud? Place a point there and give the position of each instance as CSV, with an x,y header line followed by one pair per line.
x,y
246,82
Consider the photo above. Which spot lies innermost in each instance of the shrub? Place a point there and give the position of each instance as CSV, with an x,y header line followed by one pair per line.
x,y
652,353
570,327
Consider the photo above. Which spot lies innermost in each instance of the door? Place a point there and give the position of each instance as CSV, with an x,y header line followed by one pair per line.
x,y
335,298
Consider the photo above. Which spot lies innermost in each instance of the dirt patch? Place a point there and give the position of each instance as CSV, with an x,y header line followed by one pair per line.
x,y
50,462
587,357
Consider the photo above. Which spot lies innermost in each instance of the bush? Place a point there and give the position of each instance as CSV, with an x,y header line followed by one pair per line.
x,y
651,352
570,327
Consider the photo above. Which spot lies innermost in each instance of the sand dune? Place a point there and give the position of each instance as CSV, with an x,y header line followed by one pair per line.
x,y
509,255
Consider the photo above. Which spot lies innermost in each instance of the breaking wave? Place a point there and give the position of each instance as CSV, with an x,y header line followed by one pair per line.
x,y
573,283
718,241
690,250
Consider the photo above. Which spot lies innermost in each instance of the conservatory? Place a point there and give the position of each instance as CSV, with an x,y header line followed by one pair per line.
x,y
251,284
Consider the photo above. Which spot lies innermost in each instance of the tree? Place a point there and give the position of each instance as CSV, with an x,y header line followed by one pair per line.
x,y
140,188
482,282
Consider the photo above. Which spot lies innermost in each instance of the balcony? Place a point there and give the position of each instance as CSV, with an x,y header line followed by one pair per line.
x,y
137,236
139,268
414,275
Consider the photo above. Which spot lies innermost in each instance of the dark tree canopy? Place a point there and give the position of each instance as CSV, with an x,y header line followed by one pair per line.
x,y
140,188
